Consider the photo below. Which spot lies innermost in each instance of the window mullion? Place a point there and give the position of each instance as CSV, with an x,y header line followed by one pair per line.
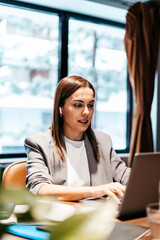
x,y
63,46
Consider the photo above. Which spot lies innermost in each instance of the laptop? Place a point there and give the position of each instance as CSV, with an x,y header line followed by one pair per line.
x,y
142,187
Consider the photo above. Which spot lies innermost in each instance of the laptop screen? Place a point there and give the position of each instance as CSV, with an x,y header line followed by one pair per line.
x,y
142,187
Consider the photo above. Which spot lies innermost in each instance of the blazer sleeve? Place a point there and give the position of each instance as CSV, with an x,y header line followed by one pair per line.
x,y
120,171
37,165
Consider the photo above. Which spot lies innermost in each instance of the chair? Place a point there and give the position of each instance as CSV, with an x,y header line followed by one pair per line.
x,y
15,174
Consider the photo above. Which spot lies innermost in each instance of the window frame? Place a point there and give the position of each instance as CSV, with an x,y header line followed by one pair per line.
x,y
63,55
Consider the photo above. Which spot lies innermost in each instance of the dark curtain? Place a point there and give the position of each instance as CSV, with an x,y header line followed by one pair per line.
x,y
141,45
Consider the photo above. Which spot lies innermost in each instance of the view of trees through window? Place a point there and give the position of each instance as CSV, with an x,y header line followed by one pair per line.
x,y
96,52
28,74
29,55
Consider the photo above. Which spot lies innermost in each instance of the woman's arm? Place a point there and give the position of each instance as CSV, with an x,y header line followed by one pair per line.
x,y
38,160
67,193
120,171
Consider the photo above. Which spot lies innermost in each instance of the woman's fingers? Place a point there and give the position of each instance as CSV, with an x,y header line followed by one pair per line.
x,y
110,193
115,190
118,186
118,192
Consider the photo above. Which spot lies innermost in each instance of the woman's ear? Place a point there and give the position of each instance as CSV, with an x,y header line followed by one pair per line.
x,y
60,112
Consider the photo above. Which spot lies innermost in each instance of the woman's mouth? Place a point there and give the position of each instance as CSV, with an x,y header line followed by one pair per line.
x,y
83,121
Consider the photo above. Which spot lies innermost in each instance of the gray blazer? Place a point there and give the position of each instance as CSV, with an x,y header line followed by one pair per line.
x,y
43,167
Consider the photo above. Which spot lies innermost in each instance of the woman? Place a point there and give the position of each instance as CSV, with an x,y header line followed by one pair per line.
x,y
70,160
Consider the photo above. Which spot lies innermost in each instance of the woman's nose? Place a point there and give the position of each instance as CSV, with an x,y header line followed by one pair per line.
x,y
85,111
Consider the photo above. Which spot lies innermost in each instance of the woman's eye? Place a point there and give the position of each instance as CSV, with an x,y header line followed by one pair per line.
x,y
90,105
77,105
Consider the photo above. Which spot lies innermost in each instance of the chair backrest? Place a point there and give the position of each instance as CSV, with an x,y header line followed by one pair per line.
x,y
15,174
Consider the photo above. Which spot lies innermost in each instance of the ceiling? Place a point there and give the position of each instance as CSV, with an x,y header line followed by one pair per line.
x,y
118,3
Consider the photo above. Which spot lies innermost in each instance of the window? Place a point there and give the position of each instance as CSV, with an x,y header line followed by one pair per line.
x,y
33,56
28,74
96,52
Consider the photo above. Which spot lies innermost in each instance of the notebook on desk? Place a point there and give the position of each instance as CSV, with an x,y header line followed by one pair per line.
x,y
142,187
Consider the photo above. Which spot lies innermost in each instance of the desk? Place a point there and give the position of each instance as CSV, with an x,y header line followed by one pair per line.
x,y
138,221
141,222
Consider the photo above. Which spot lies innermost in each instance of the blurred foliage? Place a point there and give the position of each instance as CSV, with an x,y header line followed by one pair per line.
x,y
95,224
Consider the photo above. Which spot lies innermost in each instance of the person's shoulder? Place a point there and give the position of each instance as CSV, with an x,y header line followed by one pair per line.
x,y
101,134
102,137
43,136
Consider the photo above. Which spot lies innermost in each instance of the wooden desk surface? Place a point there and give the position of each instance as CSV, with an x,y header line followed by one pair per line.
x,y
138,221
141,222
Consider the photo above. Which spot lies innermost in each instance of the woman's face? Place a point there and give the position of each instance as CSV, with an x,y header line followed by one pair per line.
x,y
77,113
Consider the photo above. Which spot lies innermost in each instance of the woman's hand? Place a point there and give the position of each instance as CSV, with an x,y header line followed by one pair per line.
x,y
115,190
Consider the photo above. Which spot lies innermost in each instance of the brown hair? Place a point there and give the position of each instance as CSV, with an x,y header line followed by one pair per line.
x,y
65,88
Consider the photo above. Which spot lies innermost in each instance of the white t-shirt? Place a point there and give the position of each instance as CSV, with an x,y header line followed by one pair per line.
x,y
77,163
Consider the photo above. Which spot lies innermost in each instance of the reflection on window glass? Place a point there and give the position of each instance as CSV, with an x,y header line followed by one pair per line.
x,y
97,53
28,74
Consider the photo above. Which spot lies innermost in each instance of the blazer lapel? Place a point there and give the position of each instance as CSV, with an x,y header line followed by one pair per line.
x,y
93,164
97,169
58,167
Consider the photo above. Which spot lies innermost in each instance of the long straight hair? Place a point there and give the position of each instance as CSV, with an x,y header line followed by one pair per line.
x,y
65,88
